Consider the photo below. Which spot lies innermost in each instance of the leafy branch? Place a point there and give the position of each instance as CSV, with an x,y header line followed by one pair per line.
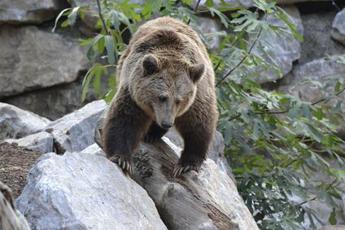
x,y
242,60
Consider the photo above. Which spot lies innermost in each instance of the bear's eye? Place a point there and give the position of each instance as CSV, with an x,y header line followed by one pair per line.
x,y
163,98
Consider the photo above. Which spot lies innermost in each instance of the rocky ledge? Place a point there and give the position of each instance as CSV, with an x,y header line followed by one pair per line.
x,y
73,185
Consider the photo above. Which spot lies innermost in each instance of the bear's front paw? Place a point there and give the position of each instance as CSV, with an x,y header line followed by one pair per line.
x,y
124,163
179,169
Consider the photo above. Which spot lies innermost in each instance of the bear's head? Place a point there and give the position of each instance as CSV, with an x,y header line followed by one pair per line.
x,y
165,88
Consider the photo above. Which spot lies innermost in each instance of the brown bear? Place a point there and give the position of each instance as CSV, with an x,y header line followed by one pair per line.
x,y
165,79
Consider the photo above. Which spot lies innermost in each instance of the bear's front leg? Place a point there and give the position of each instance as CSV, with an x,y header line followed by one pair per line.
x,y
197,135
123,129
155,133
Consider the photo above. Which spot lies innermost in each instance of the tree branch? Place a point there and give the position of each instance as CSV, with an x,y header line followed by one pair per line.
x,y
101,16
287,110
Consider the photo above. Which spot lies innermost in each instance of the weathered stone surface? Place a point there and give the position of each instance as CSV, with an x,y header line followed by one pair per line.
x,y
332,227
308,81
32,59
317,39
42,142
322,71
85,191
17,123
204,200
75,131
209,28
10,218
338,27
28,11
53,102
279,49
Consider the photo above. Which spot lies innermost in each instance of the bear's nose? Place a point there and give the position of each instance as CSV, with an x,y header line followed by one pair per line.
x,y
166,125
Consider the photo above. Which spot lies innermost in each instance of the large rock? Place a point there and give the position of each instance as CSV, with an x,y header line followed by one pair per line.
x,y
75,131
53,102
338,27
28,11
317,37
280,49
307,80
316,80
205,200
42,142
85,191
10,218
17,123
32,59
210,29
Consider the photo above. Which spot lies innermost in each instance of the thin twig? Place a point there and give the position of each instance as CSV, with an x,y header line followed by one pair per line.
x,y
242,60
195,9
315,197
101,17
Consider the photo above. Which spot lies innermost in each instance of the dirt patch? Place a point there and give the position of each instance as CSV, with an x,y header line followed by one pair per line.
x,y
15,163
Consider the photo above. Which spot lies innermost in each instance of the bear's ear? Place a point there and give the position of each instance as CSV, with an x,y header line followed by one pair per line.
x,y
150,64
196,71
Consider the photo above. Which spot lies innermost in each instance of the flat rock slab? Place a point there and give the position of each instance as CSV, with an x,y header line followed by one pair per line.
x,y
28,11
27,64
85,191
75,131
42,142
338,27
17,123
15,164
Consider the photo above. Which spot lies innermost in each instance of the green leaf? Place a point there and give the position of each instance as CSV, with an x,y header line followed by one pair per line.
x,y
332,219
109,44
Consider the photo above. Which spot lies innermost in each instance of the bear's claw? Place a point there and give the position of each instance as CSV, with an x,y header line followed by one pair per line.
x,y
123,163
179,170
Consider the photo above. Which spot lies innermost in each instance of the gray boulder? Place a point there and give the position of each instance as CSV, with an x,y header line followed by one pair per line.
x,y
17,123
318,42
210,29
85,191
280,49
33,59
10,218
75,131
42,142
53,102
28,11
307,80
338,27
205,200
315,80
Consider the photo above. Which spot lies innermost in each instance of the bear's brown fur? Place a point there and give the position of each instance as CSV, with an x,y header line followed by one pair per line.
x,y
165,78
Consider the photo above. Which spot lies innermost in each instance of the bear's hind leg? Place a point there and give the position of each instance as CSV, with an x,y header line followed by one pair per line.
x,y
155,133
